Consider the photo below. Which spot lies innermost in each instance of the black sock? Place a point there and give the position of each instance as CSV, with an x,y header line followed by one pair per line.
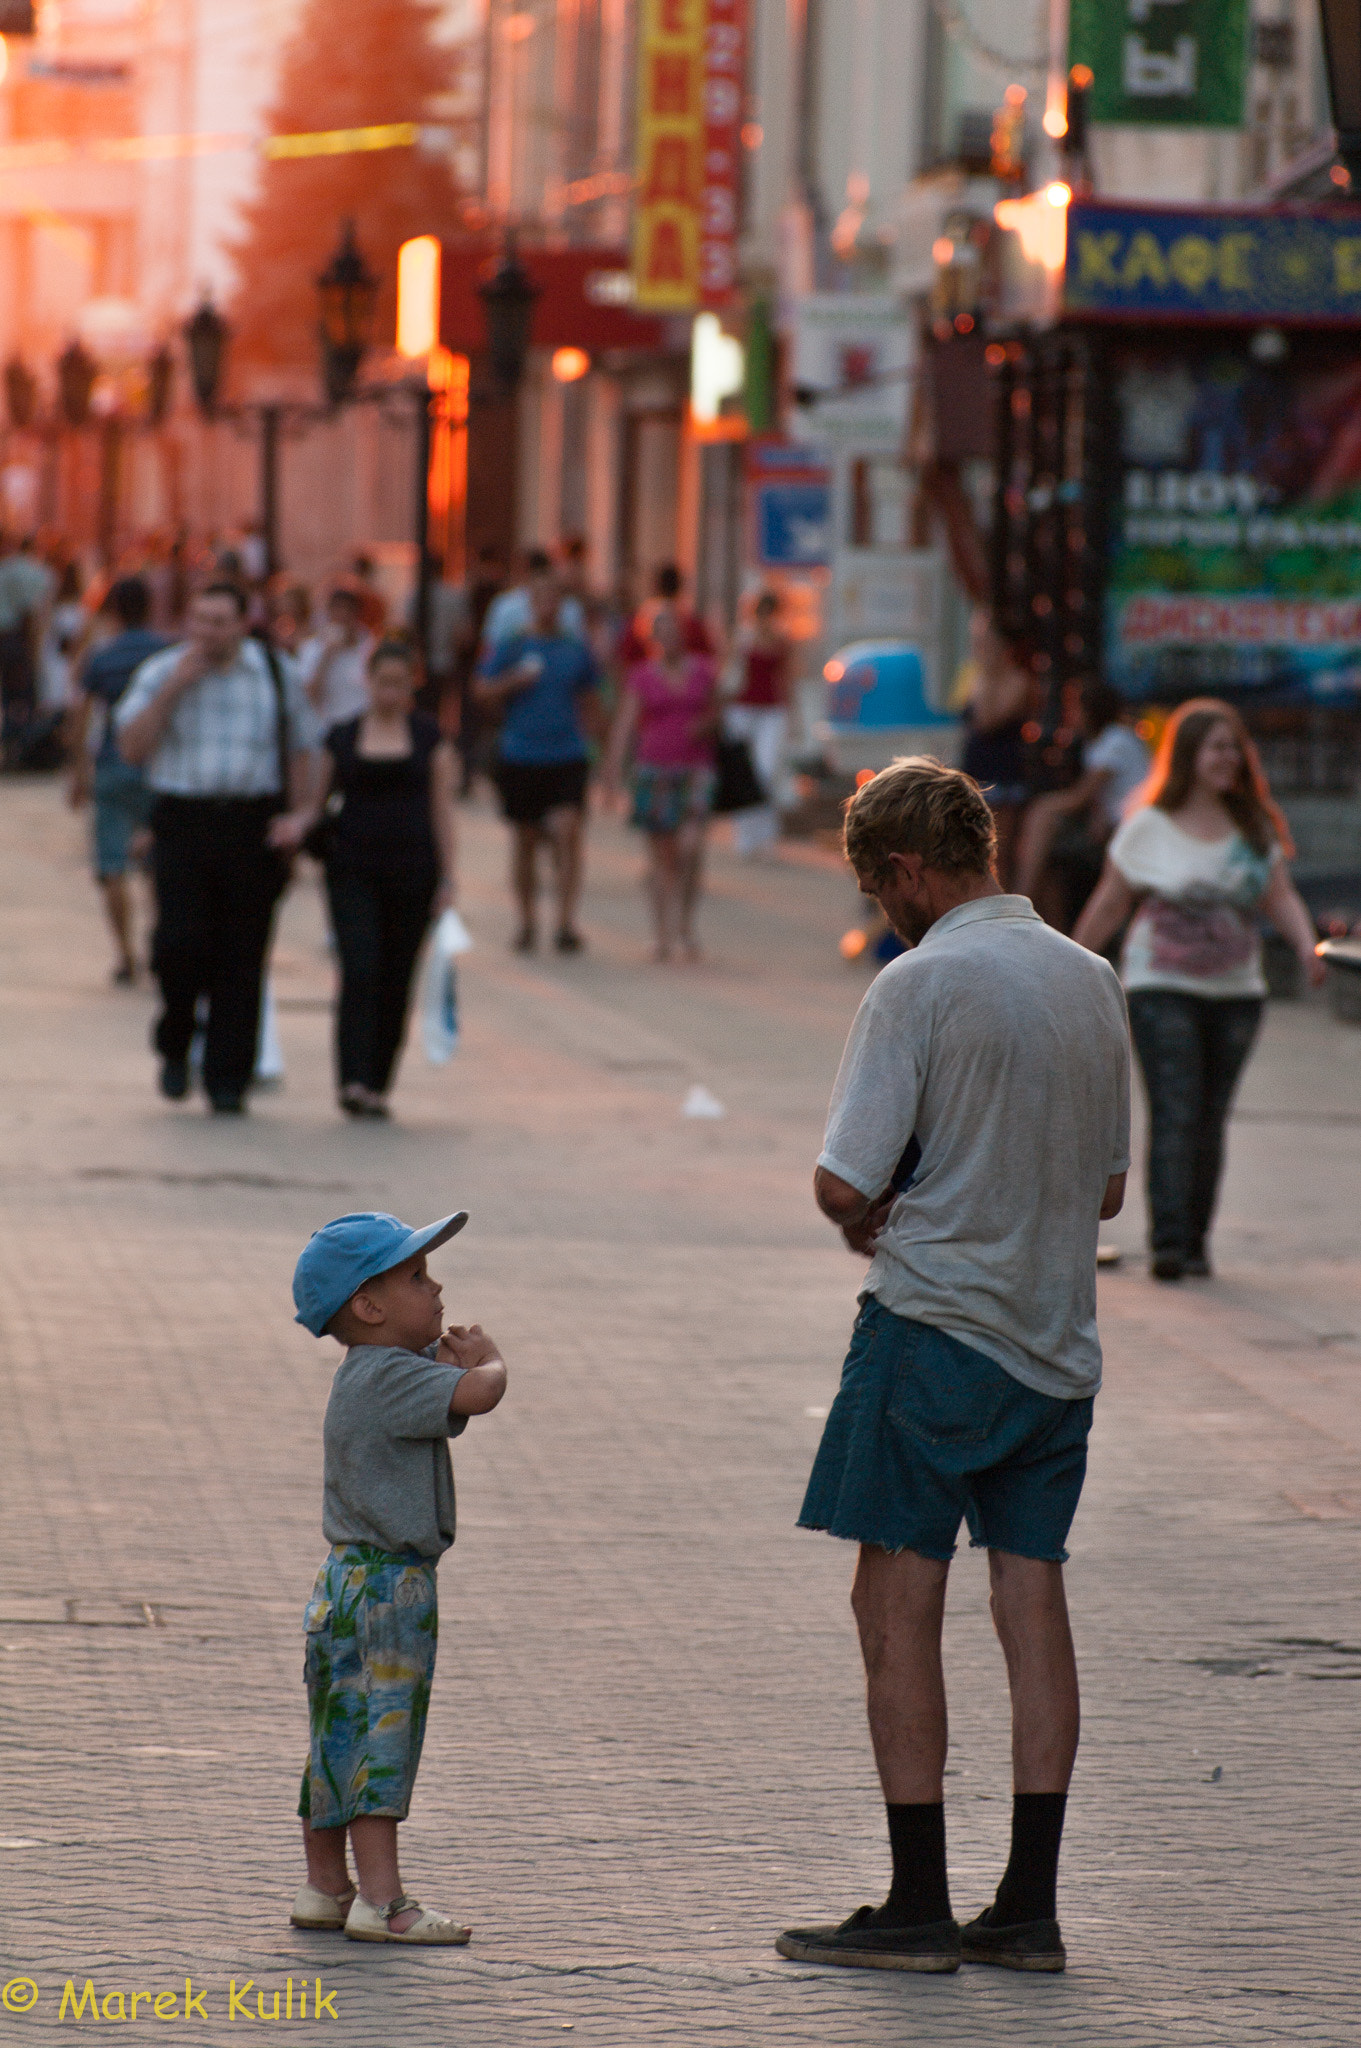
x,y
1027,1890
921,1890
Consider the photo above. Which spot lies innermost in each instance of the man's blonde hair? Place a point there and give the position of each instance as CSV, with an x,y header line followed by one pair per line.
x,y
917,805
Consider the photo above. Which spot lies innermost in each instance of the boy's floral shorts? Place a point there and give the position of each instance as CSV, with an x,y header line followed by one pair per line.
x,y
371,1625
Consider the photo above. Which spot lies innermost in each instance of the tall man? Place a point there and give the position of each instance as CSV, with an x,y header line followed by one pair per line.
x,y
224,739
979,1128
541,683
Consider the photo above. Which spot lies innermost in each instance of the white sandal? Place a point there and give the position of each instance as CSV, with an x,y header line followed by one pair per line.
x,y
312,1908
370,1923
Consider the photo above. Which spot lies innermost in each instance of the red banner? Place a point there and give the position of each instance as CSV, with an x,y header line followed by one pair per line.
x,y
725,65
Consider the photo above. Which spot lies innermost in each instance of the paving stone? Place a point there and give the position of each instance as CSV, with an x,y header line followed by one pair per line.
x,y
646,1751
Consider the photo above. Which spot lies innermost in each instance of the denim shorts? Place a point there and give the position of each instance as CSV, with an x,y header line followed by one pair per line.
x,y
122,808
370,1627
926,1432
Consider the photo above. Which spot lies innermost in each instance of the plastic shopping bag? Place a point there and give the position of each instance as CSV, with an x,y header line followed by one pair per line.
x,y
269,1053
439,988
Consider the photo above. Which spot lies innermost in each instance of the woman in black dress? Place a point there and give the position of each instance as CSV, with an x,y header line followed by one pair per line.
x,y
388,849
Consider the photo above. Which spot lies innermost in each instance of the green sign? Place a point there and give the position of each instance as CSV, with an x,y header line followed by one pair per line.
x,y
1163,63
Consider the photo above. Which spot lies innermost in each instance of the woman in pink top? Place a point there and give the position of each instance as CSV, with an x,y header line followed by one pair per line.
x,y
667,722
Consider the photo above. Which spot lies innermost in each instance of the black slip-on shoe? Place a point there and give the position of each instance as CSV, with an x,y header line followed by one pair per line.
x,y
1033,1945
858,1944
1167,1265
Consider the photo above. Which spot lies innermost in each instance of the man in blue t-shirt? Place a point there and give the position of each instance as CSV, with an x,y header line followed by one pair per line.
x,y
542,684
122,802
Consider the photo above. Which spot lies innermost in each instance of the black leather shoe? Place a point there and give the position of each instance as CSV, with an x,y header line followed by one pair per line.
x,y
174,1079
1033,1945
228,1105
860,1944
1167,1266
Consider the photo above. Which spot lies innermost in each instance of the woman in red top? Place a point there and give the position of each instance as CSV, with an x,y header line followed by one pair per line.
x,y
759,715
667,720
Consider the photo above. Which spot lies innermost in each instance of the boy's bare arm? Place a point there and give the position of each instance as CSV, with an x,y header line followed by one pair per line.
x,y
484,1369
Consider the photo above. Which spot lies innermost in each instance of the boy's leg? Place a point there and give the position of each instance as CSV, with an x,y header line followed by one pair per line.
x,y
374,1837
327,1869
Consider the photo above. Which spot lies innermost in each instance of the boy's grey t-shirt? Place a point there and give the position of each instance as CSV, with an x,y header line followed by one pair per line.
x,y
1004,1048
388,1475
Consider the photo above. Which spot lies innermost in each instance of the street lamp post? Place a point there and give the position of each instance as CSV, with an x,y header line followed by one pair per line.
x,y
347,292
508,297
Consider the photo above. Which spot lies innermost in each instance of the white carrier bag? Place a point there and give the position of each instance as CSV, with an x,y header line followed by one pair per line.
x,y
439,988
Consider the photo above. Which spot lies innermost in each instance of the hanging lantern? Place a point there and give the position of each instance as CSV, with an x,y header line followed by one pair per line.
x,y
347,292
76,374
205,338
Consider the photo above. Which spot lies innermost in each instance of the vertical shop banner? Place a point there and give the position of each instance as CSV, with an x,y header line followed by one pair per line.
x,y
670,171
725,65
1163,63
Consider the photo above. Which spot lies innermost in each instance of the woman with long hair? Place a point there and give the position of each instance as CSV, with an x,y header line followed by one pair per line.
x,y
1200,857
389,853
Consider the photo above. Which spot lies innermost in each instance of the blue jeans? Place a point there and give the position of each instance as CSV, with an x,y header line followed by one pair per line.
x,y
1192,1050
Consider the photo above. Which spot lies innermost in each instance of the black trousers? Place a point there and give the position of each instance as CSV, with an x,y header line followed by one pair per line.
x,y
217,884
17,683
379,920
1192,1050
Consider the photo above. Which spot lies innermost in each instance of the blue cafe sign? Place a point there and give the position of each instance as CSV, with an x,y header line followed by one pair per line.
x,y
1183,263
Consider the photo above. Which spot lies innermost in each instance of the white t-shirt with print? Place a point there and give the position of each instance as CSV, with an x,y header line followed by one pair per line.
x,y
1122,756
1195,930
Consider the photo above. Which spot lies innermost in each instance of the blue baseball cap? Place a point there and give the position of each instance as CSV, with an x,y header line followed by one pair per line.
x,y
341,1256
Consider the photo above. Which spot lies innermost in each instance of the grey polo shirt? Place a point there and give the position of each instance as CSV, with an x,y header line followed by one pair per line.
x,y
1004,1048
389,1479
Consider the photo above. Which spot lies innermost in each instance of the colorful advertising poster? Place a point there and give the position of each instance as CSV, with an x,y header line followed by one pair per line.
x,y
1163,63
1235,539
725,64
667,203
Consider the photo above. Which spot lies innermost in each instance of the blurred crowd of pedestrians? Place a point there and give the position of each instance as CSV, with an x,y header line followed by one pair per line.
x,y
219,722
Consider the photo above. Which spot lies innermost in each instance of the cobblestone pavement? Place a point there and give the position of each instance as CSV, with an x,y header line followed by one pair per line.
x,y
646,1749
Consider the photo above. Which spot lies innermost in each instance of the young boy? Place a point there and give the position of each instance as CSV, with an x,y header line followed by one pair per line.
x,y
402,1389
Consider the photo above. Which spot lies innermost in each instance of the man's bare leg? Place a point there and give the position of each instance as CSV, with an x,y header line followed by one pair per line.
x,y
565,829
524,879
899,1603
118,909
1030,1613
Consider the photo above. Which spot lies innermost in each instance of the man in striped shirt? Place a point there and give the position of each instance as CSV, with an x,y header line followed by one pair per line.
x,y
225,736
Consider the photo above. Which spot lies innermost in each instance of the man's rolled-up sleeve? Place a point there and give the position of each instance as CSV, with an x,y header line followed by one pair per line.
x,y
874,1102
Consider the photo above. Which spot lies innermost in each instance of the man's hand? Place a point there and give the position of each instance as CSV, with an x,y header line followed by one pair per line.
x,y
484,1369
863,1237
856,1216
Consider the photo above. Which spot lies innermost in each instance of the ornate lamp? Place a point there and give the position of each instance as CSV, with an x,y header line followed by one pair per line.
x,y
76,374
1342,57
509,297
347,291
205,337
